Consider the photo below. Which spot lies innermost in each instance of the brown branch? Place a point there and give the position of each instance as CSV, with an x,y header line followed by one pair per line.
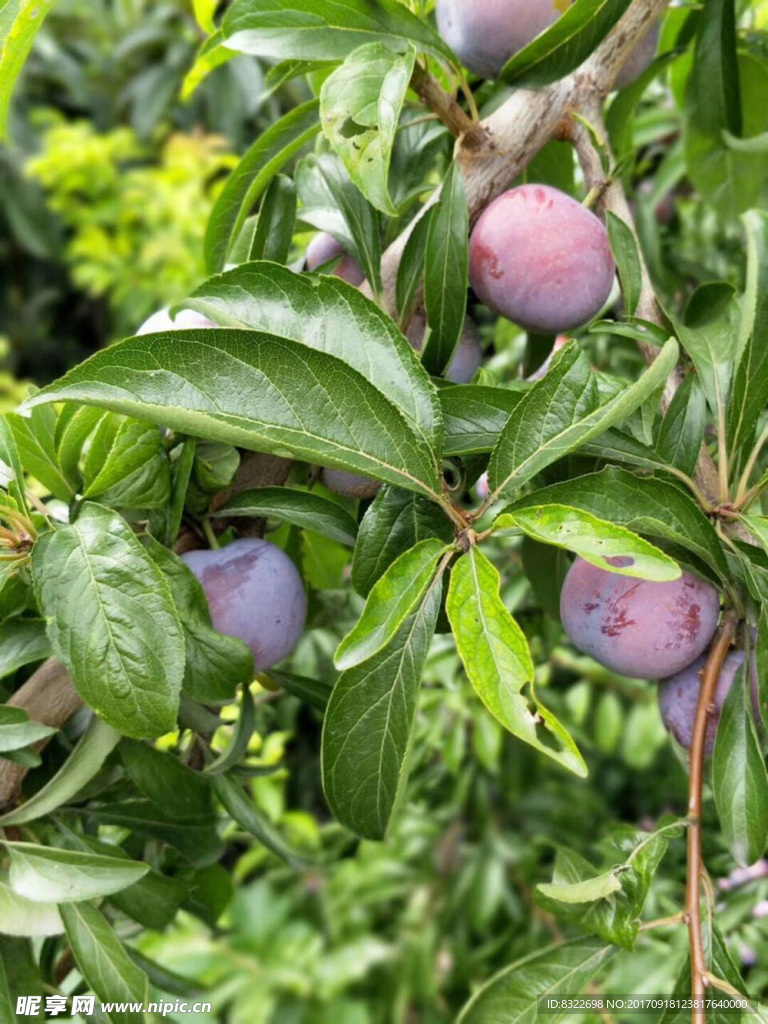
x,y
48,697
704,708
445,107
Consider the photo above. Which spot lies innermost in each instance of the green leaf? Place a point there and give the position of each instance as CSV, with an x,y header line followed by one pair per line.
x,y
304,509
475,415
247,814
34,439
214,663
564,969
204,12
20,916
560,414
761,662
709,333
390,602
281,141
739,777
111,621
368,724
238,745
410,271
11,467
328,315
20,21
625,252
18,731
162,778
74,425
277,219
22,641
360,105
181,471
616,446
211,55
259,392
722,99
199,842
446,272
215,466
45,874
153,900
590,889
341,202
497,660
103,962
653,507
750,385
393,523
135,472
319,30
602,543
564,45
311,691
682,430
85,761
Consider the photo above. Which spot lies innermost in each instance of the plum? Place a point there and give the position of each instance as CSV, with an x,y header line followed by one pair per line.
x,y
639,58
484,34
467,356
255,593
483,488
679,696
324,248
637,627
185,319
540,258
349,485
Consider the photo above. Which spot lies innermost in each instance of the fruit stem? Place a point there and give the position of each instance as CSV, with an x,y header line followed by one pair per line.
x,y
699,977
210,536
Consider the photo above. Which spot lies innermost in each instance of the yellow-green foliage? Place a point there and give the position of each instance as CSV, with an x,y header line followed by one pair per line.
x,y
136,217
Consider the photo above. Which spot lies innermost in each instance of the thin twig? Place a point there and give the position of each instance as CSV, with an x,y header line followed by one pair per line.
x,y
441,103
710,676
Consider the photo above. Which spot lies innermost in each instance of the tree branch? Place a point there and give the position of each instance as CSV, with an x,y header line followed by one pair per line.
x,y
710,676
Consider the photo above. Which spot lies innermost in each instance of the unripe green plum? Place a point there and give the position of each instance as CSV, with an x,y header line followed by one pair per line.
x,y
324,248
541,259
467,356
679,697
255,593
637,627
350,485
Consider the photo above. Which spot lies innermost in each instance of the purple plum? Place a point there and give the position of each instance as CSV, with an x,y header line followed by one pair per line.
x,y
324,248
484,34
540,258
637,627
639,58
255,593
679,696
467,356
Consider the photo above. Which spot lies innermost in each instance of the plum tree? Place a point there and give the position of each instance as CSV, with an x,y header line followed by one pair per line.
x,y
540,258
486,33
349,485
324,248
679,695
255,593
638,627
185,319
466,358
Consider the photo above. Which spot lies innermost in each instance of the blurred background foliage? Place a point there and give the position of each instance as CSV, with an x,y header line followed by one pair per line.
x,y
104,197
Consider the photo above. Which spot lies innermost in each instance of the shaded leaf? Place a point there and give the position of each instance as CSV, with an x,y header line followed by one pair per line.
x,y
44,874
304,509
